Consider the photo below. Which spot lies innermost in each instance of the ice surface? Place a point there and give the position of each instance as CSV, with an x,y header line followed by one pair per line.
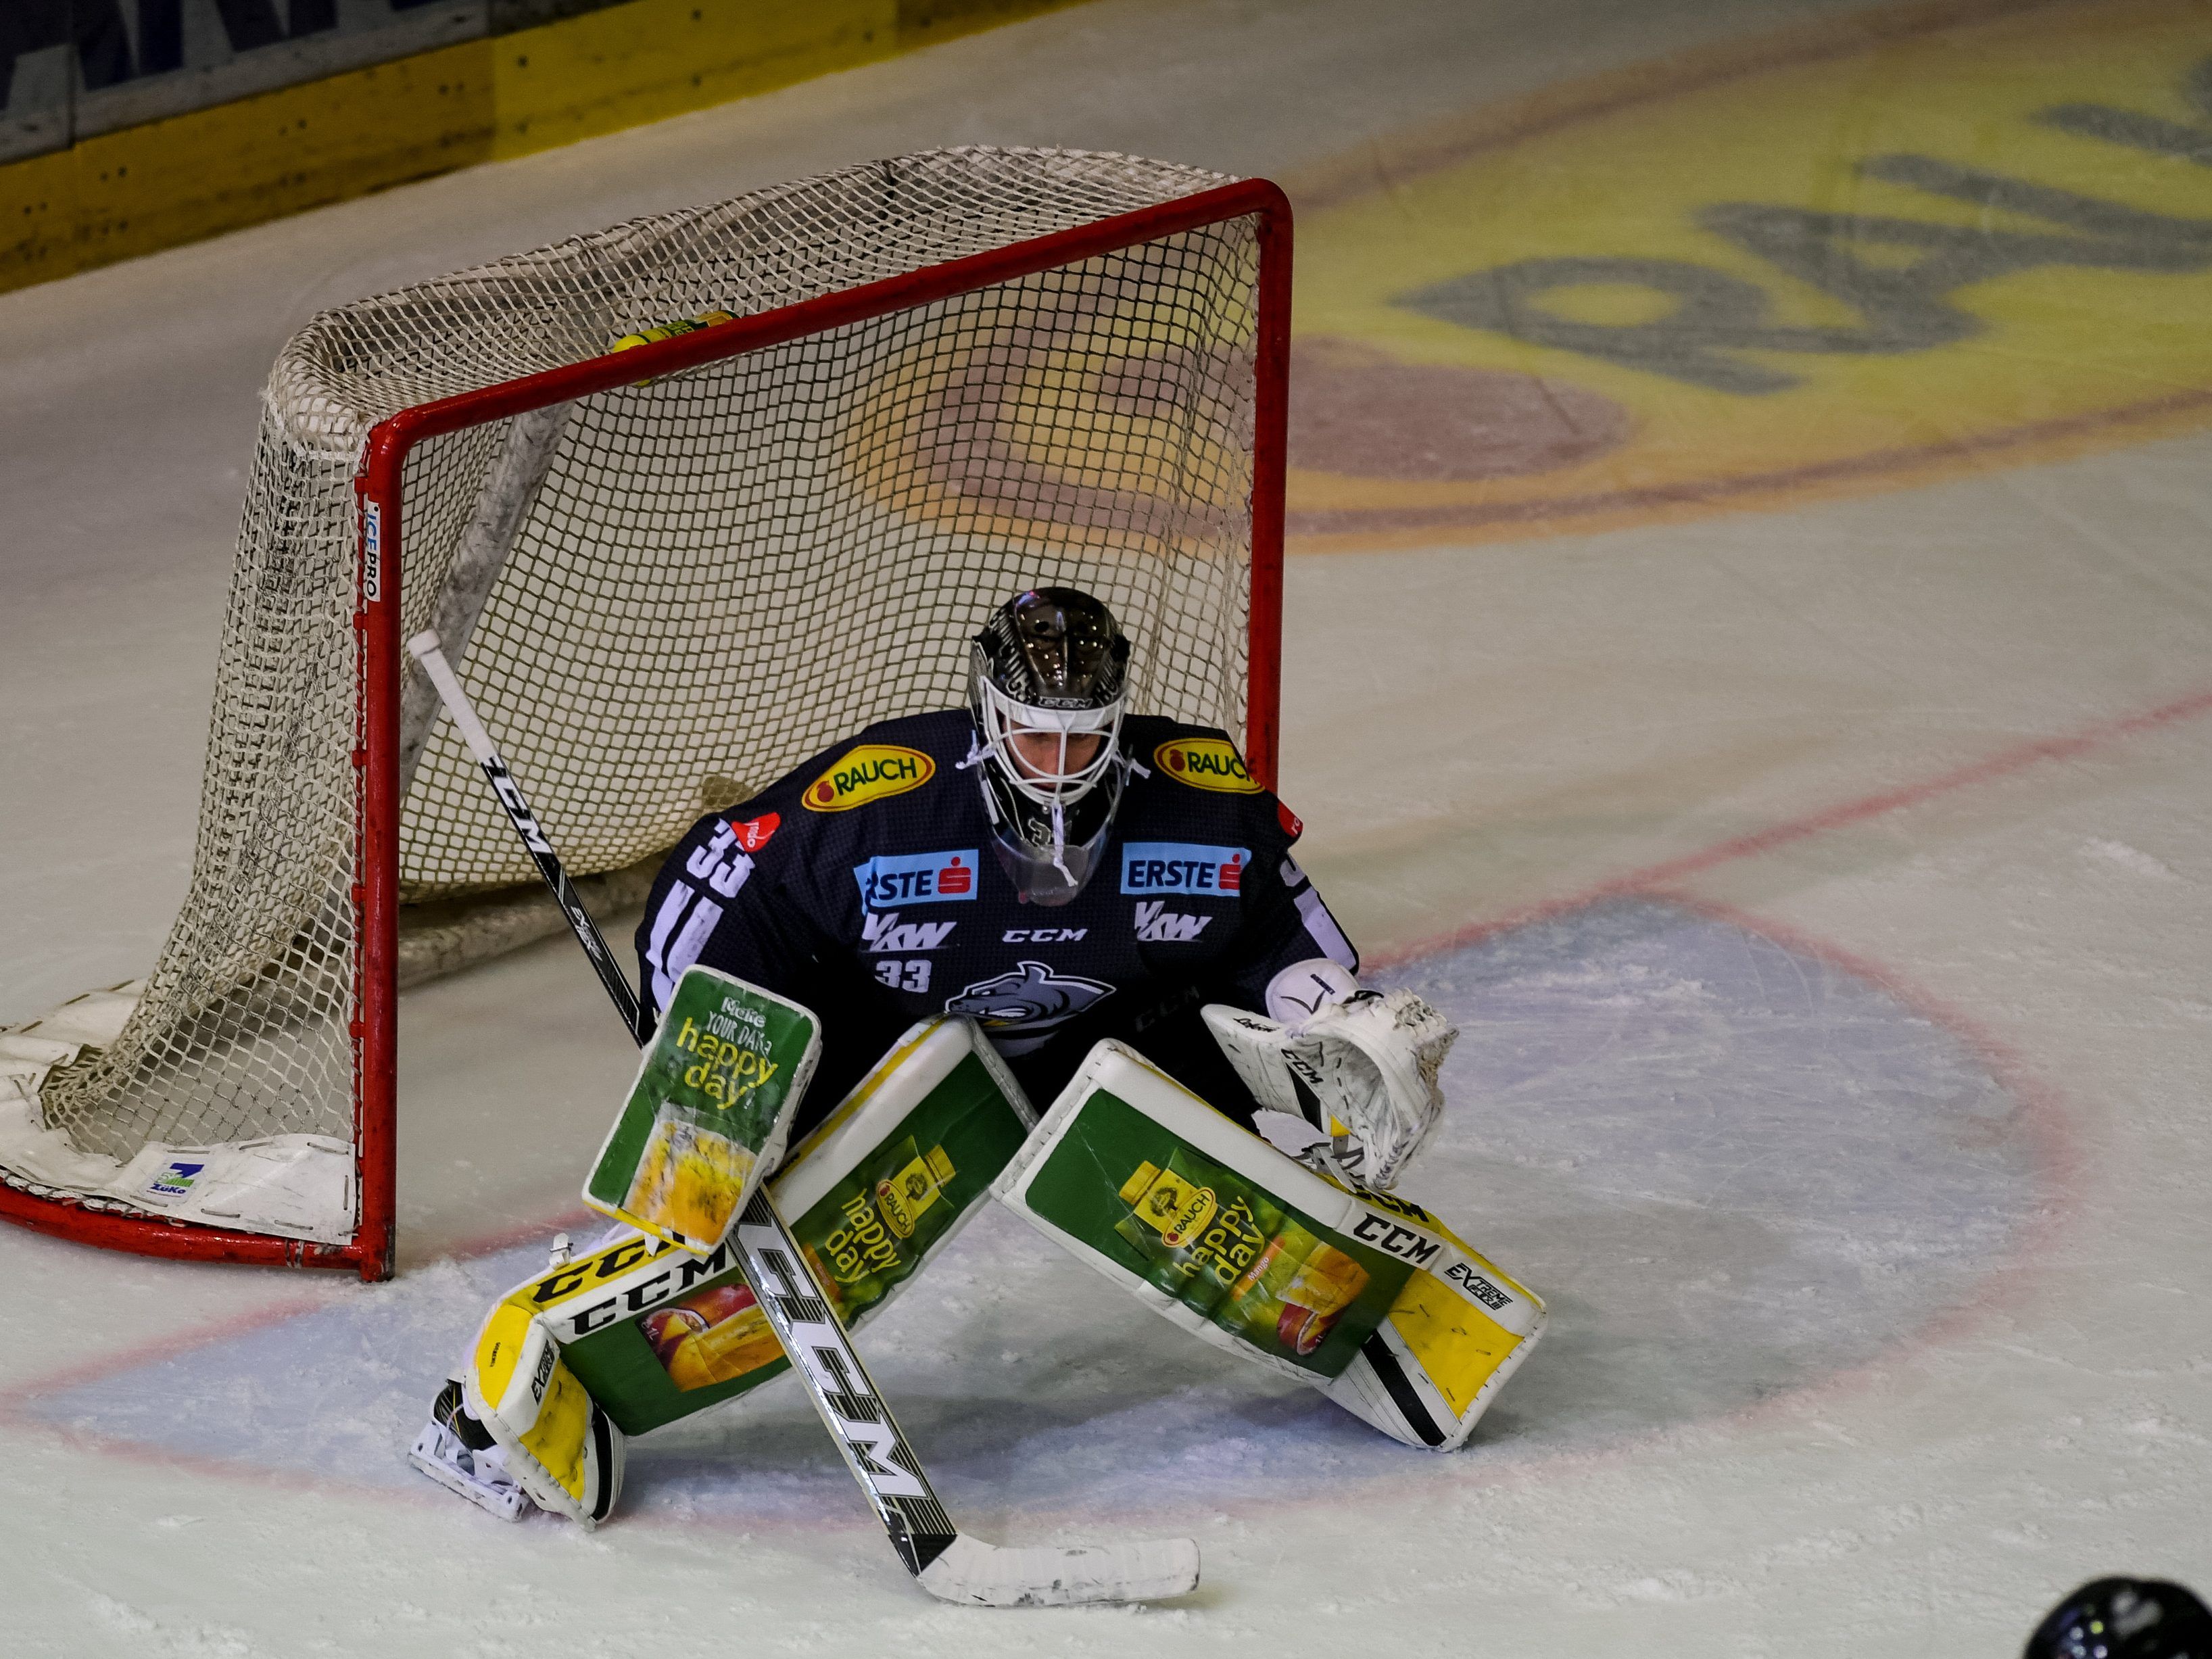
x,y
1874,1222
1729,1167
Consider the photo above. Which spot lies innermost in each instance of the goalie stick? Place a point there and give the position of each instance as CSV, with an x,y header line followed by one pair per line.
x,y
947,1562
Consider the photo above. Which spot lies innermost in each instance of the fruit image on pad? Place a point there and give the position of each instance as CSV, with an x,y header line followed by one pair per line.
x,y
713,1098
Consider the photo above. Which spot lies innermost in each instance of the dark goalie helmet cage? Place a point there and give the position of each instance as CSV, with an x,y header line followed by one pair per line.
x,y
1050,662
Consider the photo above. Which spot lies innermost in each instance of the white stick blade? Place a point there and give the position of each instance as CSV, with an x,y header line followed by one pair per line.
x,y
985,1575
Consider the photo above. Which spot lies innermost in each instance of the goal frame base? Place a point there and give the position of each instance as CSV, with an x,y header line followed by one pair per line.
x,y
137,1234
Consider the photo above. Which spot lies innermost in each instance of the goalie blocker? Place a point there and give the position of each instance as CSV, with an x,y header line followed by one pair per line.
x,y
709,1113
1363,1296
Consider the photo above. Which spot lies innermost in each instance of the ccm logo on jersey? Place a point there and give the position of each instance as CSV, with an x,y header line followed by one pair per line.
x,y
1184,870
1157,925
868,773
888,933
1391,1239
1206,763
916,878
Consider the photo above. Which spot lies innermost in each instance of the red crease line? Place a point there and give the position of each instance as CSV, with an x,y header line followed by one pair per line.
x,y
1669,872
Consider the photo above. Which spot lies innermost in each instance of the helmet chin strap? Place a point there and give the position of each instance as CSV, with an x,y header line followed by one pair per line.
x,y
982,760
1059,818
1060,844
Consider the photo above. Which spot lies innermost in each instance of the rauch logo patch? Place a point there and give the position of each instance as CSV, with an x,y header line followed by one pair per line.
x,y
891,879
871,772
1184,870
1206,763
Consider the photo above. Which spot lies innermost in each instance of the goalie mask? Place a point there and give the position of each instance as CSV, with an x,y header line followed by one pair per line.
x,y
1047,681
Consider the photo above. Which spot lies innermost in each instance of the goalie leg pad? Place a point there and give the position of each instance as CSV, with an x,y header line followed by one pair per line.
x,y
559,1445
872,1195
707,1115
1363,1296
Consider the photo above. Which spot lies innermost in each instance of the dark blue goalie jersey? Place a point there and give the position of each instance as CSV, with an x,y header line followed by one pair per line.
x,y
864,885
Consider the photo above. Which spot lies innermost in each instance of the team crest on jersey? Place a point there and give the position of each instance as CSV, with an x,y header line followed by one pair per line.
x,y
1020,1009
871,772
1206,763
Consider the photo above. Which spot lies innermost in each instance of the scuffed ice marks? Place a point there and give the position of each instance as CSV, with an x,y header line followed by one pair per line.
x,y
1731,1169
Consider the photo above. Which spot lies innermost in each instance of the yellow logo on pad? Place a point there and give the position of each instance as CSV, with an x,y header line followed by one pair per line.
x,y
902,1199
871,772
1206,763
1167,1203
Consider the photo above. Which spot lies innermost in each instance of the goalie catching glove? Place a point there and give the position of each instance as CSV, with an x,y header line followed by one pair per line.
x,y
1358,1065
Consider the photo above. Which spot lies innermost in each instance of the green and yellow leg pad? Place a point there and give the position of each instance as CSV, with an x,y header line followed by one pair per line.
x,y
882,1185
561,1448
1362,1295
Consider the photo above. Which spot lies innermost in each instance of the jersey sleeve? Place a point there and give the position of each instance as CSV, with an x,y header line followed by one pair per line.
x,y
732,895
1285,921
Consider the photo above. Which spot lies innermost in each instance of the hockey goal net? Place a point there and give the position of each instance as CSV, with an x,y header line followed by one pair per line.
x,y
687,500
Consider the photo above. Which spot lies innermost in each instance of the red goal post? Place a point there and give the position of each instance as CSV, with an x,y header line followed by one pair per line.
x,y
384,526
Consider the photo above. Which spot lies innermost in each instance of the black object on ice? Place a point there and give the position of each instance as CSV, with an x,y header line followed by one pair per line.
x,y
2125,1619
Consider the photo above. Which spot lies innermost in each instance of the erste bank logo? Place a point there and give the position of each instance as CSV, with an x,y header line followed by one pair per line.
x,y
1183,869
891,879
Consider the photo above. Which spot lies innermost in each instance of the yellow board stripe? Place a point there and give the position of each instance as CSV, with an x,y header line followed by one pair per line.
x,y
121,194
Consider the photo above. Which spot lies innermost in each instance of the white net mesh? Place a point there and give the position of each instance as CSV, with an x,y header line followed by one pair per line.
x,y
709,577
